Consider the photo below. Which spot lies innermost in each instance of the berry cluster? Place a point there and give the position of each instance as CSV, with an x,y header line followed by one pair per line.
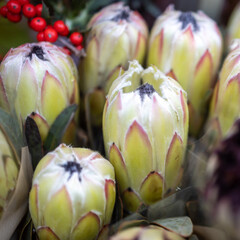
x,y
14,9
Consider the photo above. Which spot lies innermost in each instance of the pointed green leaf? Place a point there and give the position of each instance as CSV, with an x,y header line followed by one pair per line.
x,y
11,128
58,128
180,225
34,141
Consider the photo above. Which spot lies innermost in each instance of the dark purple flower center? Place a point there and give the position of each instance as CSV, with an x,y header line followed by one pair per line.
x,y
187,18
72,167
145,89
38,51
122,15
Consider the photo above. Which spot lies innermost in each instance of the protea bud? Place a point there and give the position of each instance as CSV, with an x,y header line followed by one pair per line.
x,y
146,233
72,195
39,78
233,29
8,171
117,35
222,193
145,126
225,107
187,46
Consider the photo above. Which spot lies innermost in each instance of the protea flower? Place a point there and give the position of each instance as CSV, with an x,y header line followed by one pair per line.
x,y
146,233
72,195
187,46
233,29
38,78
222,192
117,35
147,146
8,171
225,102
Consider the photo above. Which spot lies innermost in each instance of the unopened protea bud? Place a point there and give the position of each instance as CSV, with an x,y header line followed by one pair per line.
x,y
233,28
8,171
145,126
225,102
222,193
187,46
72,195
39,78
117,35
146,233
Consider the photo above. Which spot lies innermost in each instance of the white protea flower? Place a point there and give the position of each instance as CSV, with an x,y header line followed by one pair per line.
x,y
39,78
145,127
187,46
72,195
117,35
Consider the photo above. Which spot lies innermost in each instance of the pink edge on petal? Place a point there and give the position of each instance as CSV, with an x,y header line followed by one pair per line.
x,y
136,126
87,215
183,106
175,137
47,229
113,146
152,173
205,56
138,43
234,78
94,156
172,75
2,88
189,32
106,189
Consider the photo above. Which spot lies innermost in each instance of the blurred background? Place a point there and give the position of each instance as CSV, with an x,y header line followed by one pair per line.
x,y
13,35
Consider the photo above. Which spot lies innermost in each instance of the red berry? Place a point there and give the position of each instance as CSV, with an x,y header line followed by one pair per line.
x,y
4,11
59,26
38,9
28,10
67,51
76,38
40,37
14,6
22,2
79,47
38,24
65,32
50,34
14,17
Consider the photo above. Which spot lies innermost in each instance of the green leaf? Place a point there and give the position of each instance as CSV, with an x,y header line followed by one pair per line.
x,y
45,11
10,126
34,141
58,128
180,225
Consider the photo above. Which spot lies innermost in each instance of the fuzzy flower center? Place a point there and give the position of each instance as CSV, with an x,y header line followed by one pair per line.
x,y
145,89
187,18
38,51
72,167
122,15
